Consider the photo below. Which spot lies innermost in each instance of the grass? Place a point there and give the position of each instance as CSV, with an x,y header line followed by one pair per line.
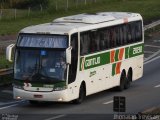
x,y
3,62
6,79
147,8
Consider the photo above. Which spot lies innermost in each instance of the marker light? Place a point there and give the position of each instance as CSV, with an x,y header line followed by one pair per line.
x,y
18,97
60,99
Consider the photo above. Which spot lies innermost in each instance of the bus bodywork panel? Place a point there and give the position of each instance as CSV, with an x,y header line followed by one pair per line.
x,y
102,71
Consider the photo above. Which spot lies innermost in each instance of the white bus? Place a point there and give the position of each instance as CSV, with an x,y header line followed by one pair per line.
x,y
76,56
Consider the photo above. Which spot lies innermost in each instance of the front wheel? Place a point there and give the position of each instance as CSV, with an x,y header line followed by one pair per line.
x,y
33,102
82,95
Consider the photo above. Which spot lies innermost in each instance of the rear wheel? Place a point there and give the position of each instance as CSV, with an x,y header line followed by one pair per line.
x,y
128,80
122,81
82,95
33,102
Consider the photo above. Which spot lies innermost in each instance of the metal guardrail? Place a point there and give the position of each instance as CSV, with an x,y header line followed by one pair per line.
x,y
146,27
6,71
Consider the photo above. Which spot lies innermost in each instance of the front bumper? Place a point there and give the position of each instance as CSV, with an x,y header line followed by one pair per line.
x,y
58,96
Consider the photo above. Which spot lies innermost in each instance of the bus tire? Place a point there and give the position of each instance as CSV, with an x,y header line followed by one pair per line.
x,y
33,102
82,94
128,80
122,81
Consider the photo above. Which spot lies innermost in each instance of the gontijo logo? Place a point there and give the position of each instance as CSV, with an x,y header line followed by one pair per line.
x,y
115,56
93,61
86,63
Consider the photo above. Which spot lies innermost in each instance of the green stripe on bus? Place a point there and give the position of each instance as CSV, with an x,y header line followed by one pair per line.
x,y
117,55
104,58
113,69
136,50
94,61
126,52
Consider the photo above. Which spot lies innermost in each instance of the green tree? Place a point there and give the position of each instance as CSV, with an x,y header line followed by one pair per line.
x,y
24,3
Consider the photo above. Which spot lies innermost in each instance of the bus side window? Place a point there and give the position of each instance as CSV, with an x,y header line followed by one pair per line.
x,y
118,40
112,37
121,35
84,43
124,34
94,41
107,38
102,40
97,40
129,39
74,58
138,31
133,32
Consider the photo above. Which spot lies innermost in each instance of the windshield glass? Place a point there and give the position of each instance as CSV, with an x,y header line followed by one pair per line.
x,y
46,66
42,41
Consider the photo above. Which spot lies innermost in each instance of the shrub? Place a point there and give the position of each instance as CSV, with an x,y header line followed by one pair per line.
x,y
25,3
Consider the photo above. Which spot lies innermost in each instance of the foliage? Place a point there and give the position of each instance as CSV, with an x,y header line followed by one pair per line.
x,y
3,62
24,3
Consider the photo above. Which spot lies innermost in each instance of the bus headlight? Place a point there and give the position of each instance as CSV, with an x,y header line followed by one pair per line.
x,y
18,97
60,99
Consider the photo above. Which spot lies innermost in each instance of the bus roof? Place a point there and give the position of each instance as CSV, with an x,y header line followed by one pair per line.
x,y
82,22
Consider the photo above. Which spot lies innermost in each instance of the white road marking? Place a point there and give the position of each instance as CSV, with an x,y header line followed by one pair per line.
x,y
151,60
55,117
12,102
151,52
108,102
8,106
152,46
1,103
152,56
157,86
7,91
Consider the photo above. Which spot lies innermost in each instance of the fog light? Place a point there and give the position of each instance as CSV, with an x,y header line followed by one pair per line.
x,y
18,97
60,99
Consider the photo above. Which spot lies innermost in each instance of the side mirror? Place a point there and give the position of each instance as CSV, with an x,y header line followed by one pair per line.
x,y
68,55
9,50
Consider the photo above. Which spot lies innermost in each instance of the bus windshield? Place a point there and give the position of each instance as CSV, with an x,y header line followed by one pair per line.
x,y
45,66
42,41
